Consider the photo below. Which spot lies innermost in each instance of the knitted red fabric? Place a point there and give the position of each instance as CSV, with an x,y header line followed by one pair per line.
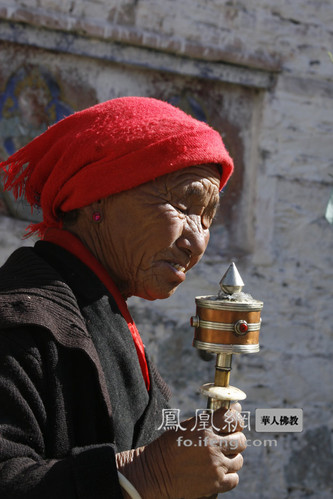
x,y
108,148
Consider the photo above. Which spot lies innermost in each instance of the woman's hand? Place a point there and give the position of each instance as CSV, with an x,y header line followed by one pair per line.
x,y
167,468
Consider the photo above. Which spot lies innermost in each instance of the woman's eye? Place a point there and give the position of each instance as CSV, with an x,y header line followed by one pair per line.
x,y
181,209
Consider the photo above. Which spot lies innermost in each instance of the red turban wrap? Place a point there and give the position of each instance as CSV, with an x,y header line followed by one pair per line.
x,y
108,148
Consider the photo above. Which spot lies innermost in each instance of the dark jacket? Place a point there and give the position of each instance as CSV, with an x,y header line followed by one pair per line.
x,y
71,389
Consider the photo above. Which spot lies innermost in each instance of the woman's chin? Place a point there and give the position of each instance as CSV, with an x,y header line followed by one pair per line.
x,y
152,293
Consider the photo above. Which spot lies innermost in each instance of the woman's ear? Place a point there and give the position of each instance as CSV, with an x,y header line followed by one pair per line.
x,y
88,211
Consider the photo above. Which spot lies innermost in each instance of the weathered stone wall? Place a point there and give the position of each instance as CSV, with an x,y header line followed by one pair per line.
x,y
268,72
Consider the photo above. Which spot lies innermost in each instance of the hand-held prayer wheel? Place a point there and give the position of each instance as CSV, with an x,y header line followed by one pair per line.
x,y
226,323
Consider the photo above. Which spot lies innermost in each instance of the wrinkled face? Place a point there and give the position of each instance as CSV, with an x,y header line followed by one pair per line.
x,y
155,233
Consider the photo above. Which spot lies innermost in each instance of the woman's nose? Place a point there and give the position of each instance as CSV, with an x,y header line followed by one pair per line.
x,y
194,238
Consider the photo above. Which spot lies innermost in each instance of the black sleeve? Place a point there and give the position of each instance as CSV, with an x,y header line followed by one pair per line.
x,y
28,470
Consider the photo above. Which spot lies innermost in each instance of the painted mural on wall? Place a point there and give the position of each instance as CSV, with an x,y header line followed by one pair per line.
x,y
30,102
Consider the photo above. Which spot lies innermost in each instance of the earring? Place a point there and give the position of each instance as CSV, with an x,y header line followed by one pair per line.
x,y
97,217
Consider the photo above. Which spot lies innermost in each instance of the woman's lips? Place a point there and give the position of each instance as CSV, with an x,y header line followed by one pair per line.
x,y
178,271
179,267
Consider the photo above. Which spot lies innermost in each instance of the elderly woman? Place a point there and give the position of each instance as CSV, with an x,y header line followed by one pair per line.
x,y
128,190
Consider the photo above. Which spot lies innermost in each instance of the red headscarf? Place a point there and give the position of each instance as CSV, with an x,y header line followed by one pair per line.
x,y
108,148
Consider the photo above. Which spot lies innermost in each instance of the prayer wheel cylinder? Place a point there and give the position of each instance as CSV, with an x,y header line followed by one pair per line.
x,y
225,324
222,325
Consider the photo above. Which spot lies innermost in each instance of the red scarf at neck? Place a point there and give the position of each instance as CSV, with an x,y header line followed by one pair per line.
x,y
72,244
